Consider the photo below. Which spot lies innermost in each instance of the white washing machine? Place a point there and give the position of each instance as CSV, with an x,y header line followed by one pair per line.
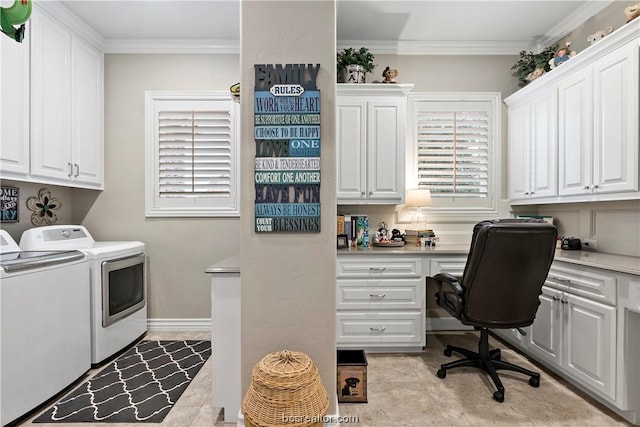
x,y
118,284
44,322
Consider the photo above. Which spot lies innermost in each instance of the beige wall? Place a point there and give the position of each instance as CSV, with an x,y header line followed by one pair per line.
x,y
288,280
27,189
179,249
611,16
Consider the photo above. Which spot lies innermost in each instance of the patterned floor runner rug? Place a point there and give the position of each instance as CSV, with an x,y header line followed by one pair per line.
x,y
141,385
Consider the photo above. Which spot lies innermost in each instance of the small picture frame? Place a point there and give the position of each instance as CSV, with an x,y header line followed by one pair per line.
x,y
342,241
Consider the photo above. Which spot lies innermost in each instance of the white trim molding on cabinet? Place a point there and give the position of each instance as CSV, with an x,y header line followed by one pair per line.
x,y
573,133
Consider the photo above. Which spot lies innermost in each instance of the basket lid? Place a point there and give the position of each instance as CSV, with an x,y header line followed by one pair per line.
x,y
286,387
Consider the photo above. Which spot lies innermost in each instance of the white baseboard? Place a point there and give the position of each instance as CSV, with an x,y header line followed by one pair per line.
x,y
181,325
445,324
178,325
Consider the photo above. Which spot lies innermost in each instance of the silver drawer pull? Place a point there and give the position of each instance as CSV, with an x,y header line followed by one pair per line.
x,y
377,269
555,298
382,329
377,295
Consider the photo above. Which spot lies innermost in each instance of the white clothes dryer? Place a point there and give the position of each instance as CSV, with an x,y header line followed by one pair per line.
x,y
118,284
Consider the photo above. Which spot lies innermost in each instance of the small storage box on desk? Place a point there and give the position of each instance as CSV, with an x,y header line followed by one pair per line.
x,y
352,376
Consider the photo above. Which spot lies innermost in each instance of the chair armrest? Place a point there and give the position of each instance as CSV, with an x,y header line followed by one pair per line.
x,y
449,296
451,280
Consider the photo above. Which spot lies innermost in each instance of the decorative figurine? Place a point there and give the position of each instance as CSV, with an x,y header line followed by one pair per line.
x,y
563,55
389,75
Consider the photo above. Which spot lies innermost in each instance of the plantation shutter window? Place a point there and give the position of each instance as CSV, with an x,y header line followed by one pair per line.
x,y
453,153
455,147
192,155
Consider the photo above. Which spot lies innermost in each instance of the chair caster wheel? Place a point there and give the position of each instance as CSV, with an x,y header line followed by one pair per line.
x,y
448,352
441,373
499,396
534,382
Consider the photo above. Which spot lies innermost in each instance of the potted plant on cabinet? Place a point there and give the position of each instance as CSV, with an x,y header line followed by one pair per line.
x,y
531,65
354,64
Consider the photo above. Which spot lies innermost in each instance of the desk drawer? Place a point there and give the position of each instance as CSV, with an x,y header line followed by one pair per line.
x,y
372,294
371,266
580,280
452,265
379,329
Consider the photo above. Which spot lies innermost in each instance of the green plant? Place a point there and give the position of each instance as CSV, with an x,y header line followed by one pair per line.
x,y
351,56
530,61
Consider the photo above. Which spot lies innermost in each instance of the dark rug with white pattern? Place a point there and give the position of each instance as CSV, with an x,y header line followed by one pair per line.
x,y
142,385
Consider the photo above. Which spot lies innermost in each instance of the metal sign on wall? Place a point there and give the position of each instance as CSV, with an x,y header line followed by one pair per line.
x,y
287,138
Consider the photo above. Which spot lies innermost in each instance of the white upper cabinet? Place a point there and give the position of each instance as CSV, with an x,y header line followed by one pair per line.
x,y
371,143
14,108
52,105
66,106
615,120
575,137
582,120
50,99
599,127
532,148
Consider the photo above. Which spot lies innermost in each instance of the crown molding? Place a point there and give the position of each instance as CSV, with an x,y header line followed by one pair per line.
x,y
63,15
588,10
172,46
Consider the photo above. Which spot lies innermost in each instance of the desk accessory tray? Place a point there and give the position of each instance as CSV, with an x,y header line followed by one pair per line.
x,y
388,244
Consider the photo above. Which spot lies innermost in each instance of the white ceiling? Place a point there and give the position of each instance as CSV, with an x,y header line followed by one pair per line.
x,y
390,26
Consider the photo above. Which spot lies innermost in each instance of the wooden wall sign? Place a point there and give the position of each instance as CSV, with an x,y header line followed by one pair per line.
x,y
287,140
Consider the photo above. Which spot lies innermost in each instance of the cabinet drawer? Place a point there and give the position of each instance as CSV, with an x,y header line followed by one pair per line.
x,y
380,329
594,284
371,267
371,294
452,265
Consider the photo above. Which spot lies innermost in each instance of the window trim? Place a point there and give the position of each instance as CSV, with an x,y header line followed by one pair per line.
x,y
153,205
495,148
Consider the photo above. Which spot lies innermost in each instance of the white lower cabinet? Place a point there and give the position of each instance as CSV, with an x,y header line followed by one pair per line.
x,y
574,331
579,336
380,303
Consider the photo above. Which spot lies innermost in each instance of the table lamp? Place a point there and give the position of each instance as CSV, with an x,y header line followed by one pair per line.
x,y
418,198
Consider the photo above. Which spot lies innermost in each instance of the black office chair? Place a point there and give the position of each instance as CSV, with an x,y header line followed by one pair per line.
x,y
507,265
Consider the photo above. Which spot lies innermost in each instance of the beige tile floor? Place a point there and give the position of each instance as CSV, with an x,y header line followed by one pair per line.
x,y
403,391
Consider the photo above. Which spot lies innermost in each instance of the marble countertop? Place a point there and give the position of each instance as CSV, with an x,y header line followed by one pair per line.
x,y
619,263
452,249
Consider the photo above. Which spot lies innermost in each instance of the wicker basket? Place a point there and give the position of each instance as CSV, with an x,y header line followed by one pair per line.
x,y
286,391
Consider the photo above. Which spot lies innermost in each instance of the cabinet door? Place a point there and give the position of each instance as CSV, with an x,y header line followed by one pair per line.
x,y
615,120
14,107
87,143
544,145
519,152
385,149
545,334
575,105
50,98
590,331
351,150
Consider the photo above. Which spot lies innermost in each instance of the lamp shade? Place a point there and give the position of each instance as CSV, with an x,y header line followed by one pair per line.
x,y
418,197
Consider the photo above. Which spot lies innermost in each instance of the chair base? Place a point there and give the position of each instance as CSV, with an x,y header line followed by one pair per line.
x,y
487,360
